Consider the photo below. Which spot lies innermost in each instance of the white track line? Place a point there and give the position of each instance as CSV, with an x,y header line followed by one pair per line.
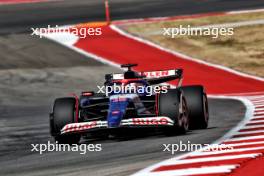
x,y
249,132
257,117
258,101
246,143
250,127
258,104
259,109
246,138
257,96
258,113
192,171
259,121
217,158
245,11
228,151
253,100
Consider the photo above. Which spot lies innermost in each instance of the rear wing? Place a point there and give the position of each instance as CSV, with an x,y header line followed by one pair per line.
x,y
151,74
153,77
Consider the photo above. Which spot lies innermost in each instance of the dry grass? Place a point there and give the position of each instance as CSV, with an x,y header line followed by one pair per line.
x,y
244,51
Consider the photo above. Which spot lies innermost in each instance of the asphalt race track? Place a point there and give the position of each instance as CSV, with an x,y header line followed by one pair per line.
x,y
34,71
21,17
26,96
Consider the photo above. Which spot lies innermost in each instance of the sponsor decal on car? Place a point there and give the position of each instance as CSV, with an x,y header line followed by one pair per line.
x,y
148,74
79,126
150,121
156,74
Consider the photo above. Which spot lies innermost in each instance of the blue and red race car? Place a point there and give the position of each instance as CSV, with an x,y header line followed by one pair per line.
x,y
131,100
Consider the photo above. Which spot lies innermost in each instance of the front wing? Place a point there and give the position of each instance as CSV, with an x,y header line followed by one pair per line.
x,y
133,122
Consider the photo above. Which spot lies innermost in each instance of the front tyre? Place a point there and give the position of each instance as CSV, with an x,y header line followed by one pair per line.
x,y
63,114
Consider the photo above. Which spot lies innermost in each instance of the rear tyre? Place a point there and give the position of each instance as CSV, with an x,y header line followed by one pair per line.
x,y
173,105
198,106
63,114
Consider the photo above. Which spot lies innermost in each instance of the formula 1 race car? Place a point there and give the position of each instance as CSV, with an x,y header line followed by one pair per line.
x,y
131,100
